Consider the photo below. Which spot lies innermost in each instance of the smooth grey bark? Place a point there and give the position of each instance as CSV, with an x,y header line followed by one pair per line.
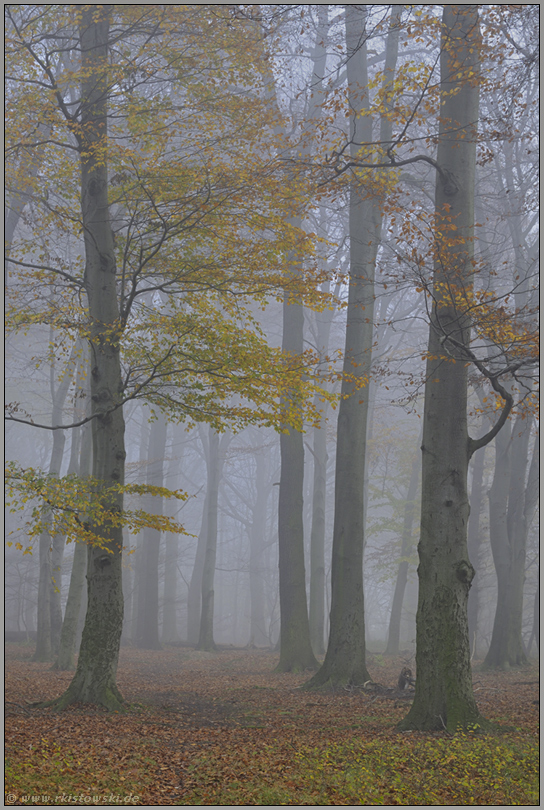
x,y
128,590
258,637
474,541
170,632
68,636
147,631
59,540
319,500
194,596
345,661
137,561
45,648
217,446
95,677
255,520
295,648
444,697
393,636
512,502
323,322
295,644
317,539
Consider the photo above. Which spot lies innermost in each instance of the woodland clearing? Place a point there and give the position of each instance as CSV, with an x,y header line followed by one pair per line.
x,y
223,728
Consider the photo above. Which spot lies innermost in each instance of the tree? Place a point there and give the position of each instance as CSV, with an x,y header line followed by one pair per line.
x,y
147,628
95,677
295,646
250,485
199,239
194,595
215,458
258,635
68,635
45,647
512,502
474,540
514,490
170,632
444,696
345,658
323,322
393,636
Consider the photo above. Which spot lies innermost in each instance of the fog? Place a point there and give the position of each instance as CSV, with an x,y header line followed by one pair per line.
x,y
230,327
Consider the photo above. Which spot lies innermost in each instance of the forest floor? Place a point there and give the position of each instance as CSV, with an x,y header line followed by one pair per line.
x,y
224,729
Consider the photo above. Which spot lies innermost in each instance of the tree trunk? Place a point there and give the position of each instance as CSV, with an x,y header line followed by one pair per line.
x,y
194,596
127,636
345,661
474,540
511,508
317,539
216,459
169,617
137,559
258,636
148,590
393,637
323,322
44,651
68,636
44,642
59,540
444,696
295,647
170,633
95,677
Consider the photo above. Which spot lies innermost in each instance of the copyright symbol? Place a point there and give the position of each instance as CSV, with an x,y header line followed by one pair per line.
x,y
10,798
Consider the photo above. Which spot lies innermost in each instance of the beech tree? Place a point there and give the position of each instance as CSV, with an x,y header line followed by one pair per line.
x,y
147,626
45,646
95,678
444,697
345,657
512,502
216,446
393,635
295,645
201,239
168,201
68,633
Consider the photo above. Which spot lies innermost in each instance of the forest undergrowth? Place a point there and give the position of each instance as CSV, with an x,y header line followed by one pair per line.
x,y
224,729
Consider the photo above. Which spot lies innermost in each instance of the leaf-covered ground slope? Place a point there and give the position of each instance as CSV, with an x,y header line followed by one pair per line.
x,y
224,729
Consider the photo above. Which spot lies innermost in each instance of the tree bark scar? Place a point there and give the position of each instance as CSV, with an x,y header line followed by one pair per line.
x,y
464,572
101,396
451,186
